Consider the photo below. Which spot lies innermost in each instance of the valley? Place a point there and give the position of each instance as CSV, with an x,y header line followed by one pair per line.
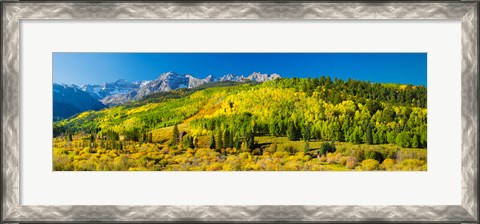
x,y
264,123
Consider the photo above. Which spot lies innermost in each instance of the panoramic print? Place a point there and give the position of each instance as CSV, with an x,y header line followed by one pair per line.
x,y
239,111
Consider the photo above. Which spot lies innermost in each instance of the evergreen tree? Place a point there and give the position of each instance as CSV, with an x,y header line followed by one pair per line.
x,y
292,132
92,141
190,142
144,137
150,138
212,142
175,135
388,114
337,132
373,106
423,138
306,132
381,137
327,147
355,136
369,137
227,139
250,140
219,140
415,141
236,143
346,129
391,137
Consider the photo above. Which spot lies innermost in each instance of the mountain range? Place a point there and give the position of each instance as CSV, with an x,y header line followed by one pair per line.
x,y
70,99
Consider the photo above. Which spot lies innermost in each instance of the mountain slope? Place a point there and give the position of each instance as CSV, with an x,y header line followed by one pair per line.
x,y
120,86
122,91
69,100
352,111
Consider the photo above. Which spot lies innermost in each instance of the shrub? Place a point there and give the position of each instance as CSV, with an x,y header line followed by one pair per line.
x,y
369,154
370,164
351,162
272,148
257,152
359,154
85,165
372,154
344,150
280,154
62,163
289,148
230,150
334,158
388,164
390,154
412,164
214,167
323,158
403,154
327,147
331,158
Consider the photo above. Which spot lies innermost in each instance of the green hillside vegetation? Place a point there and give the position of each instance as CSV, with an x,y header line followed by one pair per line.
x,y
284,124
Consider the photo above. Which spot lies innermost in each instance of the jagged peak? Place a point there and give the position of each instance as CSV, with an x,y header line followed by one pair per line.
x,y
126,90
209,78
167,74
65,85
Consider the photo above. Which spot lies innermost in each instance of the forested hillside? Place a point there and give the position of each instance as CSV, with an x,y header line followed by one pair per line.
x,y
282,124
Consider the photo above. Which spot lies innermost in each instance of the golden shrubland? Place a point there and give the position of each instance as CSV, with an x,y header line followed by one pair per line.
x,y
278,154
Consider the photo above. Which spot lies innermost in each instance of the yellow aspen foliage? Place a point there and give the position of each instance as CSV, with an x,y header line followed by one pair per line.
x,y
370,164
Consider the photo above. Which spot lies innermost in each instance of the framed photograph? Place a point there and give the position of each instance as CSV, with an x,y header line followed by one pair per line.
x,y
240,112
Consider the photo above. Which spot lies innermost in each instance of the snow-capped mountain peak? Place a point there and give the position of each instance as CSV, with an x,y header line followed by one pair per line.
x,y
256,77
169,75
121,91
231,77
259,77
209,78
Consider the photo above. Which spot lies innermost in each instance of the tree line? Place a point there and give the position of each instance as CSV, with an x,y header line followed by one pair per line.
x,y
353,111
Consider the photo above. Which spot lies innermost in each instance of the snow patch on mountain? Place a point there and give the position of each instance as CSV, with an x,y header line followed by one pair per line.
x,y
120,86
121,91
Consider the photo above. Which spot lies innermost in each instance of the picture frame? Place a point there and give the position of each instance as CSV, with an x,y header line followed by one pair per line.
x,y
14,12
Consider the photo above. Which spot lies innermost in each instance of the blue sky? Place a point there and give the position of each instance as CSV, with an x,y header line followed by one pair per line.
x,y
97,68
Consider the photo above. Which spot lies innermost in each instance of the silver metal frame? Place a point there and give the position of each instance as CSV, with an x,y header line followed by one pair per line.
x,y
13,13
